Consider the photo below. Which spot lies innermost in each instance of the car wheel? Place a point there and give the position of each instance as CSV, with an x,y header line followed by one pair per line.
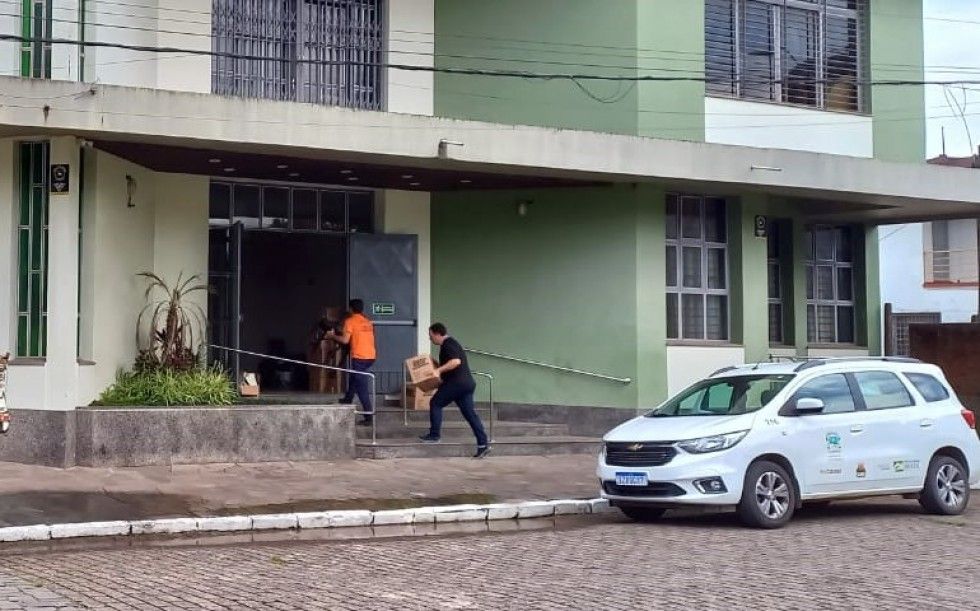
x,y
768,496
947,491
643,514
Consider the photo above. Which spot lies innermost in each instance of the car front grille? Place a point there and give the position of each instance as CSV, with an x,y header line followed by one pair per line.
x,y
629,454
651,490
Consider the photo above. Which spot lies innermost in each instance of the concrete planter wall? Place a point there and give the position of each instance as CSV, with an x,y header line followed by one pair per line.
x,y
103,437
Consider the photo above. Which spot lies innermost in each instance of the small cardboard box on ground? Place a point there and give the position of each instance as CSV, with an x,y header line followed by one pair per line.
x,y
417,399
422,373
249,386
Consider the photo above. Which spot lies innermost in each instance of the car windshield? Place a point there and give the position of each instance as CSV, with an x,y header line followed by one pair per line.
x,y
727,396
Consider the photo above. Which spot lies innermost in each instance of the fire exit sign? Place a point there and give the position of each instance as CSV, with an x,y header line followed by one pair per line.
x,y
383,309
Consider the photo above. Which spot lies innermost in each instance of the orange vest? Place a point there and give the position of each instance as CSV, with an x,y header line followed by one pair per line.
x,y
361,331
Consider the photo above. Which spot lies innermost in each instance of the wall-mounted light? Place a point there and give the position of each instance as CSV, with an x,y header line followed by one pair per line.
x,y
130,191
522,207
444,147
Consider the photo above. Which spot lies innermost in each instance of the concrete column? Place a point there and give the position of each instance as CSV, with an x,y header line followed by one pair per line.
x,y
749,282
62,354
799,288
871,315
65,58
651,297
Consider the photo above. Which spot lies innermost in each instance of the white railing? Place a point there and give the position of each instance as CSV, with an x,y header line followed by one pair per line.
x,y
950,266
514,359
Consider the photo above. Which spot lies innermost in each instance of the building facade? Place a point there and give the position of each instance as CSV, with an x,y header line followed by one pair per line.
x,y
930,270
642,191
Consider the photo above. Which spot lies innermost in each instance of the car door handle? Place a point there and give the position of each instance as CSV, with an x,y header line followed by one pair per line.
x,y
925,423
857,428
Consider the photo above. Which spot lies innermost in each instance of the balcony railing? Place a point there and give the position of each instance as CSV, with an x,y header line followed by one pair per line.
x,y
951,267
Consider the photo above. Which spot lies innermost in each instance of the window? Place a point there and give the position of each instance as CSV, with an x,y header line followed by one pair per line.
x,y
777,297
32,245
830,285
284,208
724,396
832,389
36,26
316,51
950,253
808,52
882,390
931,389
697,268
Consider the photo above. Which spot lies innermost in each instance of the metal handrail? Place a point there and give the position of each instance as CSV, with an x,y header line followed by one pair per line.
x,y
370,376
580,372
476,373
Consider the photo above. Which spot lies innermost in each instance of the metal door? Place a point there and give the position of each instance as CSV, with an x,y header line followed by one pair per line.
x,y
384,273
225,299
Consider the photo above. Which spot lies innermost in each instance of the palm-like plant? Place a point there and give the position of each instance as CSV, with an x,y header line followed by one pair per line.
x,y
171,340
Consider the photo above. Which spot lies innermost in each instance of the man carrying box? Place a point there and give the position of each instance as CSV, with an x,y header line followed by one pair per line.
x,y
457,387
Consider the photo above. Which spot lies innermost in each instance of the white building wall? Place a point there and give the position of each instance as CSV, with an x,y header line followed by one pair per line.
x,y
902,277
760,124
10,50
411,41
688,364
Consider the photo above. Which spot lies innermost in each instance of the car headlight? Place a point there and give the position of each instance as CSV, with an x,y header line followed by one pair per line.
x,y
715,443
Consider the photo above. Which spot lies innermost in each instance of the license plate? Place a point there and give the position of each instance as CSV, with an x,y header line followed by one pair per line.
x,y
631,479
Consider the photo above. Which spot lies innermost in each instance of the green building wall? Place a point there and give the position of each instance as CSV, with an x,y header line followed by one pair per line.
x,y
579,281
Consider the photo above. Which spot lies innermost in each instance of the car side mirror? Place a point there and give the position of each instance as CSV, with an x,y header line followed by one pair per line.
x,y
809,405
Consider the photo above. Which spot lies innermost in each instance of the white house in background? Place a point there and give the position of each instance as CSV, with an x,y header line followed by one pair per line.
x,y
930,270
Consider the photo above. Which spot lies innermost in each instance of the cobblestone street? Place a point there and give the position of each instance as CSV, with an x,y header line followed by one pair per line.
x,y
883,555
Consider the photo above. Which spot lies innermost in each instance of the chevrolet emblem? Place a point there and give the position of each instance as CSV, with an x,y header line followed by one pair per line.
x,y
635,447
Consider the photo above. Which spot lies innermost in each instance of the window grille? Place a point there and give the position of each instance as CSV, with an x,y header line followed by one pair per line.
x,y
830,285
316,51
697,268
776,292
32,240
806,52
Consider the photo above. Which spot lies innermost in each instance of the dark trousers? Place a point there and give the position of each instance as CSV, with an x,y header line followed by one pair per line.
x,y
359,385
463,398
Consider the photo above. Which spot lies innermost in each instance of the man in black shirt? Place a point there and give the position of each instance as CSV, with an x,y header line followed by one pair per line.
x,y
457,387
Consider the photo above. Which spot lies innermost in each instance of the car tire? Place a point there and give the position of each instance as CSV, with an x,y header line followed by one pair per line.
x,y
643,514
947,489
768,496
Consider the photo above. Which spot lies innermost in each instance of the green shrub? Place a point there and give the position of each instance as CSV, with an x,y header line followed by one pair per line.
x,y
163,387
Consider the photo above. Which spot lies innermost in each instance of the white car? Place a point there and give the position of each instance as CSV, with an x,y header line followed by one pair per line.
x,y
768,437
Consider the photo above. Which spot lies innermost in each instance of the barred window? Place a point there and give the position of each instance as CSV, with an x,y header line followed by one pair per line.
x,y
777,294
697,268
830,285
317,51
807,52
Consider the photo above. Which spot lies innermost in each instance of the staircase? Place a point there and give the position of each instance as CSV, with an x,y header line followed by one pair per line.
x,y
395,439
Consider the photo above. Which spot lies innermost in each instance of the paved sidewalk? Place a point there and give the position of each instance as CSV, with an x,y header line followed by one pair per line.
x,y
38,495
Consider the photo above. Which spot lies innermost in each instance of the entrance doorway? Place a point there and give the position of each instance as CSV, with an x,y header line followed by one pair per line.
x,y
285,259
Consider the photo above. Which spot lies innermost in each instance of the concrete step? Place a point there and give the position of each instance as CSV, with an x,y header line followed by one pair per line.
x,y
389,429
421,417
502,446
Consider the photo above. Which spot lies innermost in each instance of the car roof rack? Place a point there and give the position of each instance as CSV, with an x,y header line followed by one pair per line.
x,y
819,362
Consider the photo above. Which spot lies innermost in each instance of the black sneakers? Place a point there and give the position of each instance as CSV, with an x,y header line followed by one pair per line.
x,y
482,452
429,438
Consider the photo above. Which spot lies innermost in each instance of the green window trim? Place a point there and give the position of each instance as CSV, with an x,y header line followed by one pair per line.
x,y
32,248
36,26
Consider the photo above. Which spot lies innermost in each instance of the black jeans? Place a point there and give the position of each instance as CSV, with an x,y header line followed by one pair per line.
x,y
359,385
463,398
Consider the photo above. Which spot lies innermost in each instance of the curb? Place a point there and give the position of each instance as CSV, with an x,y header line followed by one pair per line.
x,y
306,521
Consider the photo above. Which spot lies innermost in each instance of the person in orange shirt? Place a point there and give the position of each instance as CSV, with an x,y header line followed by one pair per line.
x,y
358,334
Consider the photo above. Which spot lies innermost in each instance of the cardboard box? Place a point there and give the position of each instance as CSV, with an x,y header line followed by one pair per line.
x,y
422,373
417,399
249,386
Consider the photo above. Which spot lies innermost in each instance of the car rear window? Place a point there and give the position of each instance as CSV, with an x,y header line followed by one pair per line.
x,y
929,387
